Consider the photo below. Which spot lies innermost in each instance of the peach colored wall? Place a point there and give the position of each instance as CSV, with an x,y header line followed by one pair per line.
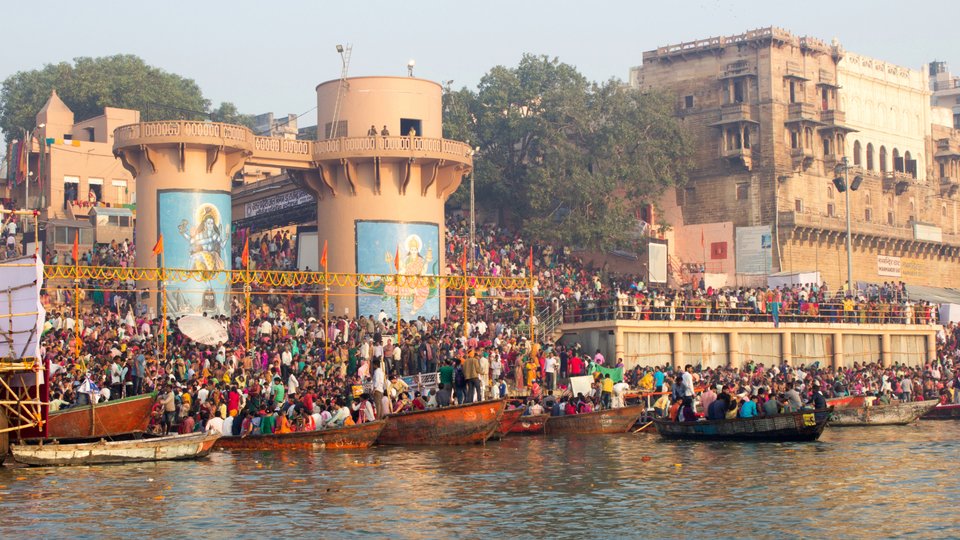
x,y
382,101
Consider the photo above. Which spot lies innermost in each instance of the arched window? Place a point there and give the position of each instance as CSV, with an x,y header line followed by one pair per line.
x,y
883,159
867,198
909,167
856,153
829,192
897,161
869,156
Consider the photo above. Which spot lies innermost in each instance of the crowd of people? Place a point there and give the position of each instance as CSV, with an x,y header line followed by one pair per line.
x,y
303,372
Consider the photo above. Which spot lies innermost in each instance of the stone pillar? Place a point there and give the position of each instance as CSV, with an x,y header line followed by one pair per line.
x,y
837,349
786,347
678,350
733,349
931,347
886,357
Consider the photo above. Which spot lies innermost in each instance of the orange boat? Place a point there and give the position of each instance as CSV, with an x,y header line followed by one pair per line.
x,y
460,424
530,424
846,402
605,421
507,421
356,436
111,419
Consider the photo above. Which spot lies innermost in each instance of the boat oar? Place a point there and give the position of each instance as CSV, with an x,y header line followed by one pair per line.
x,y
641,428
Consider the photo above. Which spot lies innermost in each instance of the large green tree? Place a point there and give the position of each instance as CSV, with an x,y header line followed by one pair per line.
x,y
89,84
571,159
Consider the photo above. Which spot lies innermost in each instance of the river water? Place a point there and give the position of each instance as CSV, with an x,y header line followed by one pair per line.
x,y
854,482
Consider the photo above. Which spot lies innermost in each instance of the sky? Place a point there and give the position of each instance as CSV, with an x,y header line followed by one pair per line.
x,y
269,56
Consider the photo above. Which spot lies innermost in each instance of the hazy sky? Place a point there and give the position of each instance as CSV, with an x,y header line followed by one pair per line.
x,y
268,56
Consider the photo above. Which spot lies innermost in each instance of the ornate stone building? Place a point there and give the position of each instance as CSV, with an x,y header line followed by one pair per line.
x,y
772,116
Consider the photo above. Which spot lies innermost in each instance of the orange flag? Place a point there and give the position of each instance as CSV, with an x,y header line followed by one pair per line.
x,y
396,260
158,247
531,259
76,248
323,256
463,261
245,257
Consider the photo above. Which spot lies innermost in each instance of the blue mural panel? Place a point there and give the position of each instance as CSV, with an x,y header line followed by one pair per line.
x,y
196,236
382,246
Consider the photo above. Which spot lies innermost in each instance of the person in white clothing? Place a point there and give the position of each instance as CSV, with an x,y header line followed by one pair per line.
x,y
215,424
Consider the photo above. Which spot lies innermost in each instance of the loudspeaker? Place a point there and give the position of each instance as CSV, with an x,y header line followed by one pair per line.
x,y
841,185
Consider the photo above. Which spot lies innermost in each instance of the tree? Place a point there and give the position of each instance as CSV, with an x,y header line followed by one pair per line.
x,y
572,160
90,84
227,113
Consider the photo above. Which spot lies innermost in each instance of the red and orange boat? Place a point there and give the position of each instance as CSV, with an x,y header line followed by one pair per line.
x,y
125,416
349,437
605,421
461,424
528,425
507,421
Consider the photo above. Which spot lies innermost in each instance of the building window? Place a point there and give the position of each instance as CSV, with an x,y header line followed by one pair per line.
x,y
808,138
867,198
341,129
688,102
66,235
890,217
883,159
826,146
95,185
689,194
71,188
738,91
856,153
120,187
798,205
869,156
743,191
829,192
795,139
868,215
91,134
831,210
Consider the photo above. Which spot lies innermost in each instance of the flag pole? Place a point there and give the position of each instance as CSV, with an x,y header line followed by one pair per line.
x,y
163,299
532,317
326,303
76,293
246,288
396,266
466,322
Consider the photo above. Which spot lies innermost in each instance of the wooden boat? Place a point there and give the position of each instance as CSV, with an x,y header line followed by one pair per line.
x,y
950,411
507,421
355,436
797,426
605,421
460,424
111,419
894,414
190,446
530,424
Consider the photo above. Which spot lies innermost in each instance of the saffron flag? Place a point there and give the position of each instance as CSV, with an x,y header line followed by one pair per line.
x,y
245,257
158,247
702,242
463,261
531,260
76,247
323,256
396,260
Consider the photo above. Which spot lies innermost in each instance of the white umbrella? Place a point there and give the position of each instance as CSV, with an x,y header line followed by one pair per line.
x,y
202,329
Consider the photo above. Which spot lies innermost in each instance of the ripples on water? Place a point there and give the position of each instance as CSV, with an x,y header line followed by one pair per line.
x,y
854,482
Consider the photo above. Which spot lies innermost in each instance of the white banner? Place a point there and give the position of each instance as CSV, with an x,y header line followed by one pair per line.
x,y
888,266
21,313
657,263
929,233
277,203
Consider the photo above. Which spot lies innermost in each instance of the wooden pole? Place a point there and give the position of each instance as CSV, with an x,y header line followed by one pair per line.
x,y
397,278
163,303
532,316
247,282
326,306
466,322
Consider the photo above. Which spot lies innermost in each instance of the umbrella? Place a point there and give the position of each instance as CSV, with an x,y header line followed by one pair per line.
x,y
202,329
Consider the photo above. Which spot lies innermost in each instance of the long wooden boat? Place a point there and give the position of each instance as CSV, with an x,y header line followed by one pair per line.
x,y
111,419
530,424
190,446
797,426
460,424
894,414
507,421
355,436
605,421
950,411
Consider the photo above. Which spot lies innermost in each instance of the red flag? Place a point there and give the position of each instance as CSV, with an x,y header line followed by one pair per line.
x,y
76,248
158,247
323,257
531,260
396,260
702,243
245,257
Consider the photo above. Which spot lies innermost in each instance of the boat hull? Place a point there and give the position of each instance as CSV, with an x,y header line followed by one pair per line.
x,y
192,446
110,419
605,421
846,402
350,437
799,426
461,424
895,414
507,421
943,412
529,425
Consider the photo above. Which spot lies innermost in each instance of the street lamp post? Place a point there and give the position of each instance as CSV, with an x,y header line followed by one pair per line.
x,y
843,185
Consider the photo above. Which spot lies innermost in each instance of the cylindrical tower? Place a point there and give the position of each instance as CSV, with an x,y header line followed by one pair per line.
x,y
184,171
381,183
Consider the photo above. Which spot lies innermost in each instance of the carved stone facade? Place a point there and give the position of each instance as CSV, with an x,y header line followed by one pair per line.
x,y
772,115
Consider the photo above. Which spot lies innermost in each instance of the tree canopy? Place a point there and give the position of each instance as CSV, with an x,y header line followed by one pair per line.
x,y
89,84
573,160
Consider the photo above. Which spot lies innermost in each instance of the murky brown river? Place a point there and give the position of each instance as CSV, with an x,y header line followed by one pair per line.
x,y
853,483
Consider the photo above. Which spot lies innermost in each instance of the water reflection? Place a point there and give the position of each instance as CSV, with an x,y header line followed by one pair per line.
x,y
853,483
